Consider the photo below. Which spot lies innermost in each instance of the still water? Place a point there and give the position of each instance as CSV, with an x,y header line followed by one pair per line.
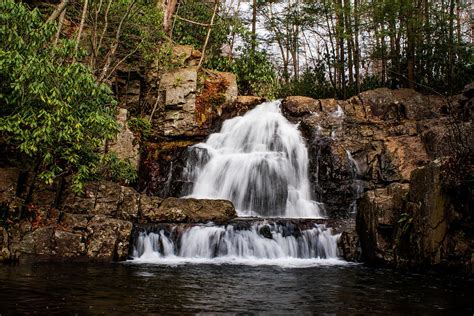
x,y
192,288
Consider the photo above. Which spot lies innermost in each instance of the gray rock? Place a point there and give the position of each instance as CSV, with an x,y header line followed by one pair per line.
x,y
108,239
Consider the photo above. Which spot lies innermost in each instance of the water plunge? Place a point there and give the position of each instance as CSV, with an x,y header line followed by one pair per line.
x,y
259,161
257,243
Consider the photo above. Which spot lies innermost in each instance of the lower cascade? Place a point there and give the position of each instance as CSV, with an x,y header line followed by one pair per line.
x,y
242,243
258,161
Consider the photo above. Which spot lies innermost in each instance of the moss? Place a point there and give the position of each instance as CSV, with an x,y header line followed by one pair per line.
x,y
213,95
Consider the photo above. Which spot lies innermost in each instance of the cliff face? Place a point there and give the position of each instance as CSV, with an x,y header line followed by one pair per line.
x,y
382,155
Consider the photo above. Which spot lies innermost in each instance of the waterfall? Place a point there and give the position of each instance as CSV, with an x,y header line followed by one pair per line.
x,y
259,161
356,182
258,243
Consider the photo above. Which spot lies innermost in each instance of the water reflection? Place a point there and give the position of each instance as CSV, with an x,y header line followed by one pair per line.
x,y
125,288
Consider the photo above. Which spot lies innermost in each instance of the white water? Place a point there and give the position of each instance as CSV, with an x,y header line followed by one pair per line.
x,y
357,186
259,161
220,244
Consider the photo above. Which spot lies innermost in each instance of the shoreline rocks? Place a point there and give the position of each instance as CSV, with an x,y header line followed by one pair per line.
x,y
93,226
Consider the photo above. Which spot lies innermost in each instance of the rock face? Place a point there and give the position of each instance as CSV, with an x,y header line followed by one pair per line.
x,y
376,155
193,211
179,88
426,224
126,145
369,141
95,225
187,110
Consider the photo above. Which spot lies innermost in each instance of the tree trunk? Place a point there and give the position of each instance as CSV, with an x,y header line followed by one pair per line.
x,y
60,25
169,8
356,45
57,12
211,24
410,45
254,25
81,27
350,39
340,40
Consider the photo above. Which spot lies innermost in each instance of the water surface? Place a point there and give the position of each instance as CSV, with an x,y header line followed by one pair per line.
x,y
191,288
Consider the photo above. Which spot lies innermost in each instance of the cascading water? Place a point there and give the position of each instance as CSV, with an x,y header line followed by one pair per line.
x,y
259,161
357,183
259,243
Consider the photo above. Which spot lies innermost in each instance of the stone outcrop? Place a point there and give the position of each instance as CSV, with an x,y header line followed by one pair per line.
x,y
369,141
95,225
193,211
376,155
179,88
192,100
426,224
125,146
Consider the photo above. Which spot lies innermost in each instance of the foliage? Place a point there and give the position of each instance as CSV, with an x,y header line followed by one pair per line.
x,y
142,28
195,35
117,170
311,83
53,110
405,222
140,126
367,44
256,75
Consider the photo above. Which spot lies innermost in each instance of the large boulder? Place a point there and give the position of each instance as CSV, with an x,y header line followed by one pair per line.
x,y
179,88
193,102
108,239
298,106
371,140
104,198
193,211
377,218
424,224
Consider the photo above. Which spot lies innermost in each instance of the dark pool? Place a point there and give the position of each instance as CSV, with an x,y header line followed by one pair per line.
x,y
156,289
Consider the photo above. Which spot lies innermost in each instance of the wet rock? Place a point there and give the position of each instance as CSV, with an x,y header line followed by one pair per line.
x,y
349,245
420,225
108,239
193,211
39,243
266,232
148,208
162,169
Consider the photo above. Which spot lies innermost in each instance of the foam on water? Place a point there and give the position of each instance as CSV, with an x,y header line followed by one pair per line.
x,y
267,244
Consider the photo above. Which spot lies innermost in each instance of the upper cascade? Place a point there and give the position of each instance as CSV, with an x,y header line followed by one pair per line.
x,y
259,161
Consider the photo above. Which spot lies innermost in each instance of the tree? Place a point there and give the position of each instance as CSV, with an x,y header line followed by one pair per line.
x,y
53,110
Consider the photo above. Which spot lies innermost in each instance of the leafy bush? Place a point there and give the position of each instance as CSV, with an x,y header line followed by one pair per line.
x,y
52,109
